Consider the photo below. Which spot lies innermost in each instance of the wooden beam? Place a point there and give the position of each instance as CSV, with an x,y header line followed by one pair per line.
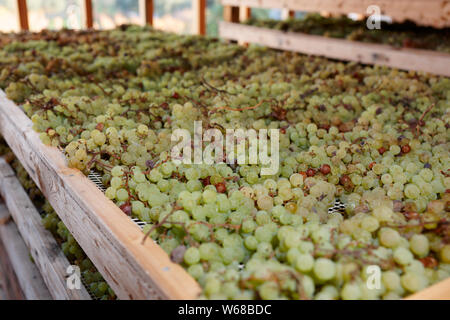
x,y
22,10
426,12
88,13
287,14
245,13
199,7
377,54
43,247
28,275
146,12
231,14
439,291
110,238
9,285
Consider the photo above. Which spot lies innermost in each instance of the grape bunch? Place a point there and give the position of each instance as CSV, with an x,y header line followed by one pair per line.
x,y
375,138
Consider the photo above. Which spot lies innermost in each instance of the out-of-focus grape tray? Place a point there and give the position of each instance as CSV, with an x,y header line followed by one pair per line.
x,y
369,53
434,13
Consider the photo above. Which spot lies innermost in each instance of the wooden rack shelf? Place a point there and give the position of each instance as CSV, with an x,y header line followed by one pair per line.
x,y
109,238
25,235
26,274
369,53
424,12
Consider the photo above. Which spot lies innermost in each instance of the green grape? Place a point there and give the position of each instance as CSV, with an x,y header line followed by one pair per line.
x,y
324,269
346,131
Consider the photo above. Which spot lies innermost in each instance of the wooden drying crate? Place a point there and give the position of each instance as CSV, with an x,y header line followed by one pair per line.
x,y
109,238
23,236
369,53
434,13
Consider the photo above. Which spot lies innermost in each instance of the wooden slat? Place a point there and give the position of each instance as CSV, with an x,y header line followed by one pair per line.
x,y
245,13
110,239
146,11
407,59
23,14
439,291
231,14
28,275
88,13
199,7
287,14
427,12
44,249
9,285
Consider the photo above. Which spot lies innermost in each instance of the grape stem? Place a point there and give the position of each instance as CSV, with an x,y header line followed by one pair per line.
x,y
420,122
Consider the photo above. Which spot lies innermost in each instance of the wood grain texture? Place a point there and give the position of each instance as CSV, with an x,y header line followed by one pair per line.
x,y
28,275
110,239
9,285
425,12
377,54
43,247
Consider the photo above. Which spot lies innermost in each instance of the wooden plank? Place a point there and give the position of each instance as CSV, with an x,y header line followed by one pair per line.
x,y
439,291
245,13
369,53
28,275
111,240
9,285
427,12
23,15
287,14
231,14
146,11
43,247
199,7
88,14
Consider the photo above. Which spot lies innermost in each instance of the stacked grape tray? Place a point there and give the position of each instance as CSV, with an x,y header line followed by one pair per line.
x,y
113,241
434,13
367,53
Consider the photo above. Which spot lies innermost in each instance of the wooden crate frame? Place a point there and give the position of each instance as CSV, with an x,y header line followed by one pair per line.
x,y
9,285
44,249
425,12
27,274
109,238
341,49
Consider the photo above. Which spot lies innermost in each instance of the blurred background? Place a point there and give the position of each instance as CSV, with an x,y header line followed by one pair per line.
x,y
169,15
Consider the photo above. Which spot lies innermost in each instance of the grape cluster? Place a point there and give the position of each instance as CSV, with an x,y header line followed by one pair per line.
x,y
399,35
376,138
